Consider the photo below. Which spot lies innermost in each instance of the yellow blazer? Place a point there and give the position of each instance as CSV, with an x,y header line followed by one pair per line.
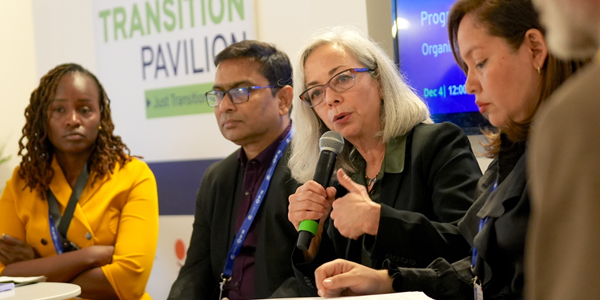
x,y
119,210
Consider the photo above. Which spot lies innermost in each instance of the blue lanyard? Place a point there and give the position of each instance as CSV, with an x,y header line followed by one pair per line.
x,y
482,223
54,234
59,235
264,186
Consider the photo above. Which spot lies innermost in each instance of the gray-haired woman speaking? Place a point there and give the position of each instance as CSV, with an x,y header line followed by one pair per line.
x,y
402,180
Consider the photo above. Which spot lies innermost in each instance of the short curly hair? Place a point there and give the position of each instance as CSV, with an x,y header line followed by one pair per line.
x,y
36,149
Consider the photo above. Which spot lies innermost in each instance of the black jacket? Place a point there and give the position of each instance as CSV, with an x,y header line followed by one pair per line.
x,y
217,204
420,207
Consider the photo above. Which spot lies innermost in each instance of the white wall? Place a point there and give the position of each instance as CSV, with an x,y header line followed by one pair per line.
x,y
17,77
287,23
476,141
64,33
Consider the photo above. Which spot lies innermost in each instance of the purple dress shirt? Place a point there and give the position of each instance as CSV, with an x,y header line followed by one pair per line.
x,y
241,285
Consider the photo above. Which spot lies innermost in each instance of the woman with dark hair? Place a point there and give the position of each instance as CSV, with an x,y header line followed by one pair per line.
x,y
501,47
98,232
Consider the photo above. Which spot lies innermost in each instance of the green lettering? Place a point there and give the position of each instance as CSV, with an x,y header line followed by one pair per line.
x,y
119,24
136,21
192,21
151,16
180,15
239,7
104,14
216,19
170,14
203,9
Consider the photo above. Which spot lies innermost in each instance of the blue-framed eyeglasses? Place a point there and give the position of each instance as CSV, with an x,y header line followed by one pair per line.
x,y
340,82
236,95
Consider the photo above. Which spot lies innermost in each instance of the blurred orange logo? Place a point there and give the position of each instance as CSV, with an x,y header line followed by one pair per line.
x,y
180,252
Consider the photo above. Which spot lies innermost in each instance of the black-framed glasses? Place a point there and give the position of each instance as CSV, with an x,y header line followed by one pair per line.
x,y
237,95
340,82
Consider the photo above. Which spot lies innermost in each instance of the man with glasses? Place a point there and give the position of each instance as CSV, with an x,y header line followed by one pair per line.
x,y
242,240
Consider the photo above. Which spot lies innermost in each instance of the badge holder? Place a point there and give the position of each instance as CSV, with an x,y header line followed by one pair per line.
x,y
224,280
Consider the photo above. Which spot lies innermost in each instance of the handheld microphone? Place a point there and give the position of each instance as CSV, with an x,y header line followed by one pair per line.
x,y
331,144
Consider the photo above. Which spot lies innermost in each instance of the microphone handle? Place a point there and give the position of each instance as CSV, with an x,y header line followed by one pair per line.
x,y
308,228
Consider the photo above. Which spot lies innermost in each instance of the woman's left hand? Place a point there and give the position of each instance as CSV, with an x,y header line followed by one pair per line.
x,y
345,278
355,214
13,250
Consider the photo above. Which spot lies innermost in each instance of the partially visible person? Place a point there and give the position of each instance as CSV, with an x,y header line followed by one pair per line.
x,y
403,182
71,155
252,97
501,47
563,255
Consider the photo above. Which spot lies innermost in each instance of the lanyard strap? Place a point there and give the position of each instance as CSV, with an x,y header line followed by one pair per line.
x,y
59,236
54,234
482,223
234,250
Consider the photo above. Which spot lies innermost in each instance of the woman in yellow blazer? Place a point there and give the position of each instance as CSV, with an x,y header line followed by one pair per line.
x,y
114,227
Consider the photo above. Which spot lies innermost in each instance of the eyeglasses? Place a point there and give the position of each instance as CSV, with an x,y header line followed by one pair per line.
x,y
340,82
236,95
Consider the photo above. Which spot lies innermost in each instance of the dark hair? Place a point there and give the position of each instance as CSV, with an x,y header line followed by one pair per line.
x,y
510,19
35,146
275,65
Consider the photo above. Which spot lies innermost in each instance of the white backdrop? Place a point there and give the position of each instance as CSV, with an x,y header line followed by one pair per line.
x,y
147,46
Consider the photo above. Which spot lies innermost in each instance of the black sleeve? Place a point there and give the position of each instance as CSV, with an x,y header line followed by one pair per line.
x,y
410,239
440,280
447,164
195,279
452,171
305,271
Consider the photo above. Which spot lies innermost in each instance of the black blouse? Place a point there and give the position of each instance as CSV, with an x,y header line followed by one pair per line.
x,y
500,244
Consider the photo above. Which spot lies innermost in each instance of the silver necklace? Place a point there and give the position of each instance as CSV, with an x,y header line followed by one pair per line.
x,y
370,181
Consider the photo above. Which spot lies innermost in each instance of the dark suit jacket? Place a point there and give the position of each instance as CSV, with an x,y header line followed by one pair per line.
x,y
214,229
420,207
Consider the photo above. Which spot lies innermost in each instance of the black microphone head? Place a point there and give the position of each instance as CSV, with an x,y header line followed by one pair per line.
x,y
332,141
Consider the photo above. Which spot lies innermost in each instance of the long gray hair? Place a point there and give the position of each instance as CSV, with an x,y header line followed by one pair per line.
x,y
401,108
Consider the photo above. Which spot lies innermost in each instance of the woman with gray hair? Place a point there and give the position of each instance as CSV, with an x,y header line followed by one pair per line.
x,y
402,181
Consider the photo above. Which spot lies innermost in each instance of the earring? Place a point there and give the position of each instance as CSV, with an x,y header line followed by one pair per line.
x,y
99,127
539,70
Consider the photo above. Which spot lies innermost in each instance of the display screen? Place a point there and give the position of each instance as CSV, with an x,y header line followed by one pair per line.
x,y
424,56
